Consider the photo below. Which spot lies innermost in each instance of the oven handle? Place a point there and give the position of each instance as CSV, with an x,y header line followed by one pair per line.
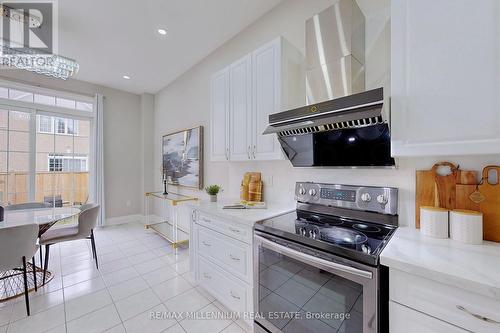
x,y
301,256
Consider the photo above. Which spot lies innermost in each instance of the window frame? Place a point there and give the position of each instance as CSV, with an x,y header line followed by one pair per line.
x,y
34,109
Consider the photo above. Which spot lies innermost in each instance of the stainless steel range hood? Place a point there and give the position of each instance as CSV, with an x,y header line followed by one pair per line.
x,y
354,111
349,131
335,52
346,126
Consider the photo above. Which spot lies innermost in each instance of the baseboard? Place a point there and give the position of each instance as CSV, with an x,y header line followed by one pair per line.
x,y
124,219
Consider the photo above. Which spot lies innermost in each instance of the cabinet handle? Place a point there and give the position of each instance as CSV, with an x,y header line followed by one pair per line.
x,y
206,244
205,220
233,257
248,152
193,215
254,149
233,295
227,154
486,319
207,276
234,230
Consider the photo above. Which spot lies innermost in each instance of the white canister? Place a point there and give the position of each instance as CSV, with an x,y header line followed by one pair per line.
x,y
434,221
466,226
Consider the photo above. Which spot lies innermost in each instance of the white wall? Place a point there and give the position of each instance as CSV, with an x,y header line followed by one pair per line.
x,y
185,103
122,139
147,139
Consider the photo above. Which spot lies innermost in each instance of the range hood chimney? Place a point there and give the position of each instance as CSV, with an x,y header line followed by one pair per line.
x,y
335,52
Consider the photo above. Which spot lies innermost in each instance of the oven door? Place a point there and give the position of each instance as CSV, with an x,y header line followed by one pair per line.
x,y
299,289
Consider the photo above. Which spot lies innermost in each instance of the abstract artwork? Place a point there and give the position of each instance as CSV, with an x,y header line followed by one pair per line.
x,y
183,157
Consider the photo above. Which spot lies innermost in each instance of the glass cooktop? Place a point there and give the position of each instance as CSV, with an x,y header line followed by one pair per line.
x,y
354,239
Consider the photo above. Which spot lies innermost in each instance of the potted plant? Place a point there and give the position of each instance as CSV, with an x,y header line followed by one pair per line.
x,y
213,190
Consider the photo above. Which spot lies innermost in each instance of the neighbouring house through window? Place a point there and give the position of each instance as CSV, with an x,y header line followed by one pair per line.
x,y
46,124
68,163
45,146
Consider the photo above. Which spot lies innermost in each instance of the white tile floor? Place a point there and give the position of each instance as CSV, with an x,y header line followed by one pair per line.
x,y
138,274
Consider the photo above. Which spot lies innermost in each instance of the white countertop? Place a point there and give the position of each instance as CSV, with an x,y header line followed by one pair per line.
x,y
471,267
247,217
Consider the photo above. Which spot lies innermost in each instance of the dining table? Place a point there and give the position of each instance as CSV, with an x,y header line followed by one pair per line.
x,y
10,284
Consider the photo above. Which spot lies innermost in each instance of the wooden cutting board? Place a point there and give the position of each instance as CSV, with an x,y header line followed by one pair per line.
x,y
490,207
433,189
463,200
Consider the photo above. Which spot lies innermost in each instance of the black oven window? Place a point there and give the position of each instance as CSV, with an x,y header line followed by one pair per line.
x,y
296,297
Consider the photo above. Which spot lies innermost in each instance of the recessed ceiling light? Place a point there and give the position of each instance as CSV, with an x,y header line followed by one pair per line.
x,y
126,77
162,32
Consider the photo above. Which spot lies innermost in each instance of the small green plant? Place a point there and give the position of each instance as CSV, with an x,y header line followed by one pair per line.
x,y
213,189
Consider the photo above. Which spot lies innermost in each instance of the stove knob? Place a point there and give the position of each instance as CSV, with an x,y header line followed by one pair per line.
x,y
302,191
302,231
312,192
313,234
382,199
366,197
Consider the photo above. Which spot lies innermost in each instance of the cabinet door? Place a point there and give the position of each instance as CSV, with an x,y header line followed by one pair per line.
x,y
404,319
219,116
266,62
445,77
240,79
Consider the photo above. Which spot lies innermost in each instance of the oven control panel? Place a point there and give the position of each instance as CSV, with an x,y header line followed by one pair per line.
x,y
338,194
367,198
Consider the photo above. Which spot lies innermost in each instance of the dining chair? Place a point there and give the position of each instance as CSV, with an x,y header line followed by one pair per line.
x,y
16,245
87,220
30,205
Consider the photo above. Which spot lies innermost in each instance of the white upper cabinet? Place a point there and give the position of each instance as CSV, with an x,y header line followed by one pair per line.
x,y
240,108
266,98
219,115
445,65
266,81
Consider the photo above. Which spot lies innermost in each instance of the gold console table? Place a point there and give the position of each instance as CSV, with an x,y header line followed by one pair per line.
x,y
168,228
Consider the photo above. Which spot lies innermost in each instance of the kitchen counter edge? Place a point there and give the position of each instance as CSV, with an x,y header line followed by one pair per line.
x,y
474,268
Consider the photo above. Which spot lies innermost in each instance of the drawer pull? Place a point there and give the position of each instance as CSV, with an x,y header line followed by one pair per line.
x,y
234,296
204,219
206,244
234,230
207,276
234,258
486,319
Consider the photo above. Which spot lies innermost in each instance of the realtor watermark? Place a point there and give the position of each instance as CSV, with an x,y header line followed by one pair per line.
x,y
273,315
29,34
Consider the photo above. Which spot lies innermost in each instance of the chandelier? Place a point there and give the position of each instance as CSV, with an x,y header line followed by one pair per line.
x,y
18,55
32,60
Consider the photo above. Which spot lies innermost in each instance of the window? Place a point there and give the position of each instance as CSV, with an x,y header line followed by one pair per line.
x,y
55,163
68,163
27,96
44,99
44,152
61,125
72,126
45,124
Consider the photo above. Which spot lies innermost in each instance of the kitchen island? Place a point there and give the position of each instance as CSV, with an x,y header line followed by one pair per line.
x,y
221,251
436,282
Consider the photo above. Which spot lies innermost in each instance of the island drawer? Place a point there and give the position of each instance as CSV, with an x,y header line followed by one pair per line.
x,y
237,231
231,254
460,307
231,292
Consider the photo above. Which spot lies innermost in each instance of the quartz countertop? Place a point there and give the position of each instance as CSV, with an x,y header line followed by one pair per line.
x,y
475,268
248,216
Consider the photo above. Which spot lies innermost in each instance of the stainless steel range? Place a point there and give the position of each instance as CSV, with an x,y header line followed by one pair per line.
x,y
317,268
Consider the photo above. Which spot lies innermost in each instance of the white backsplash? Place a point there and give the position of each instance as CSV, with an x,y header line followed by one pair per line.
x,y
284,177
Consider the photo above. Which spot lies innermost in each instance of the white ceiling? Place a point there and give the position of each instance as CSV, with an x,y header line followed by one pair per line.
x,y
113,38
